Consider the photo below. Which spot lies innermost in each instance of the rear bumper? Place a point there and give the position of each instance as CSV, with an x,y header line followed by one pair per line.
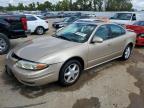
x,y
46,30
57,26
19,34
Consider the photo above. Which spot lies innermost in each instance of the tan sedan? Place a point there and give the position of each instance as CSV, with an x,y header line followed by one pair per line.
x,y
63,56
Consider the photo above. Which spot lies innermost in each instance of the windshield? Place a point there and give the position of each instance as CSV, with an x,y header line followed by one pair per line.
x,y
76,32
122,16
68,19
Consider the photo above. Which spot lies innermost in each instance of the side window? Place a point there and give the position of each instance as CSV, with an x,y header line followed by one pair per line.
x,y
142,23
116,31
30,18
102,32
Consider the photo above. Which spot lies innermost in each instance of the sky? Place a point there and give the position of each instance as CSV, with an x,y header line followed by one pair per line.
x,y
138,4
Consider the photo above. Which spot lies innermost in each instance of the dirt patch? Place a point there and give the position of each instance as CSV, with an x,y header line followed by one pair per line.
x,y
87,103
137,101
137,57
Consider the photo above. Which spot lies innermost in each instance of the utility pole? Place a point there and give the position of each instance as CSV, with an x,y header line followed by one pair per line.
x,y
71,5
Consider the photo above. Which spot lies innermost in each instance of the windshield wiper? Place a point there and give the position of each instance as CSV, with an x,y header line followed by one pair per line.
x,y
62,37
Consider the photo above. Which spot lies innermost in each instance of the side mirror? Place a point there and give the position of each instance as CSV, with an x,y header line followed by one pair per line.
x,y
97,40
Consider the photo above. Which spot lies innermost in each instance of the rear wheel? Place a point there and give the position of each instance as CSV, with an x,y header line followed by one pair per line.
x,y
127,52
4,44
40,31
70,72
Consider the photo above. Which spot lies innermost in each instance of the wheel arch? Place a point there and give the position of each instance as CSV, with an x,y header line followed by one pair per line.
x,y
38,27
80,59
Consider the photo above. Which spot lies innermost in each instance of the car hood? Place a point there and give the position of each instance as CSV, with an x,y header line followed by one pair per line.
x,y
38,48
120,21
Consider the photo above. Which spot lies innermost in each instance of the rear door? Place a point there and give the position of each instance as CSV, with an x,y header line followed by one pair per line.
x,y
31,22
117,40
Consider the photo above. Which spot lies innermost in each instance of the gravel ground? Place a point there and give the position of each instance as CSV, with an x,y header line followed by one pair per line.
x,y
116,84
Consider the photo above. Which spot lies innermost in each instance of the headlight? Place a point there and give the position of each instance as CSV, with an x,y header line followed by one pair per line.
x,y
31,65
61,25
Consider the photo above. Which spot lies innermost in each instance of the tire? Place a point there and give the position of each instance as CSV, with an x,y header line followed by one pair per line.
x,y
67,74
4,44
40,31
8,71
127,53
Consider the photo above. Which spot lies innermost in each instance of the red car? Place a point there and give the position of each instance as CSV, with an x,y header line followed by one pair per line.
x,y
138,28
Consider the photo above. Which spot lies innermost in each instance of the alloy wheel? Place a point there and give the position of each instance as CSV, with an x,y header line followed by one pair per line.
x,y
3,45
127,52
71,73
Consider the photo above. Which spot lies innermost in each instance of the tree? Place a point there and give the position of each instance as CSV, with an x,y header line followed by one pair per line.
x,y
20,6
32,6
118,5
2,8
98,5
10,7
83,5
77,5
71,5
63,5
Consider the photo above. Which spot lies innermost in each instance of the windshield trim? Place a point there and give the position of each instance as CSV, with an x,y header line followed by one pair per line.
x,y
85,39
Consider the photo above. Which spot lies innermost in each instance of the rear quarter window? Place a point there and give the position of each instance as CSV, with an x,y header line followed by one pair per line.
x,y
30,18
116,31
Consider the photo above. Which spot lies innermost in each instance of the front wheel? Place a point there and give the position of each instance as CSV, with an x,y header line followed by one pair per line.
x,y
4,44
70,72
127,52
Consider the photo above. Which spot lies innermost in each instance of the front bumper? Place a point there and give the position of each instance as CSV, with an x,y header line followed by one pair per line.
x,y
57,26
33,78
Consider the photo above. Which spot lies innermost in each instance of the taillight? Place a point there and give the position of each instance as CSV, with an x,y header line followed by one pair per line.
x,y
24,23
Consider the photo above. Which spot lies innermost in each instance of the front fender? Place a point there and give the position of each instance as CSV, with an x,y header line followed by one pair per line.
x,y
64,55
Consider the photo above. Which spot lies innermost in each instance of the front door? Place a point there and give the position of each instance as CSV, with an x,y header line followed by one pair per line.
x,y
100,52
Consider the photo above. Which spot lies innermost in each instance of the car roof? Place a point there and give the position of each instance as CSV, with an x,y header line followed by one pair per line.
x,y
30,14
140,12
97,22
91,21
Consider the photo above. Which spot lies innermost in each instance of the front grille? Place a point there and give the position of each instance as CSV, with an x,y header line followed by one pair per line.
x,y
16,57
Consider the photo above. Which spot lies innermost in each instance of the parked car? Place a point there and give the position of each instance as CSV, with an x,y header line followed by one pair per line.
x,y
127,17
42,17
63,56
66,21
36,25
50,15
11,27
138,28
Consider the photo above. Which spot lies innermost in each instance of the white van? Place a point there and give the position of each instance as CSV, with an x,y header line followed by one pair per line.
x,y
127,17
